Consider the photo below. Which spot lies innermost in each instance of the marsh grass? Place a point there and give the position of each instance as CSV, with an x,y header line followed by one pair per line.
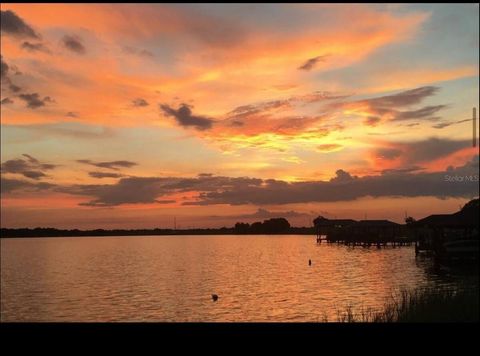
x,y
420,305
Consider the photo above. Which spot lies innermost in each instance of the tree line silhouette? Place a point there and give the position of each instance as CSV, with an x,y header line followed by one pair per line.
x,y
270,227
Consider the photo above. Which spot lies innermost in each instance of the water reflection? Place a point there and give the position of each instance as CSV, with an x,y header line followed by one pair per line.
x,y
162,278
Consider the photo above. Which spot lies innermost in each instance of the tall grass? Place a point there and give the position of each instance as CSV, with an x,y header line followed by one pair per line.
x,y
421,305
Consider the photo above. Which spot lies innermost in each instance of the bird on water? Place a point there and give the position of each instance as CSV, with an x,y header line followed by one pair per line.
x,y
214,297
309,262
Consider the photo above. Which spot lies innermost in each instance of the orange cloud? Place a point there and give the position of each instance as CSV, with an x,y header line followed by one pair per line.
x,y
238,64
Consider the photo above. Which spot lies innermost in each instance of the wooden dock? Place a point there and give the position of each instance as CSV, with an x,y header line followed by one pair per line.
x,y
367,243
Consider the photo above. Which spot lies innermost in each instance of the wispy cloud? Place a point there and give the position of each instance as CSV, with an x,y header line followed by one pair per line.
x,y
35,47
115,165
446,124
138,52
104,175
312,63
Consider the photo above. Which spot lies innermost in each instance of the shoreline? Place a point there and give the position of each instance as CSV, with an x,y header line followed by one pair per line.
x,y
51,232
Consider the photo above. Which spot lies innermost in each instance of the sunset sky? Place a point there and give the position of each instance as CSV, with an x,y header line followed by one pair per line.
x,y
128,115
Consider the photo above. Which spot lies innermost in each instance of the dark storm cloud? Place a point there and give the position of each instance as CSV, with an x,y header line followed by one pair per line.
x,y
210,190
420,151
35,47
34,174
12,24
9,185
388,153
134,190
312,62
139,102
144,190
183,116
74,44
115,165
402,170
6,101
238,191
435,148
345,187
342,176
14,88
3,68
34,101
15,166
29,167
104,175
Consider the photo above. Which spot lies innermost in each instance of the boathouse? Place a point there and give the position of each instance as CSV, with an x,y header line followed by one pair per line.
x,y
363,231
373,232
324,226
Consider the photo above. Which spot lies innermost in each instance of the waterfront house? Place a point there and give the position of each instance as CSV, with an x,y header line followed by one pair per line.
x,y
433,231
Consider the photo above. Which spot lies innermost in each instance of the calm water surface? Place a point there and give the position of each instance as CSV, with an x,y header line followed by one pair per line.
x,y
171,278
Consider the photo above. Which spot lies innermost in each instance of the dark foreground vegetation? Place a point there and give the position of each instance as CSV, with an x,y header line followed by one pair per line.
x,y
422,305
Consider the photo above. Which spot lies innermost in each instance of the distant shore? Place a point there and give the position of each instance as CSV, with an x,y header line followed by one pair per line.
x,y
52,232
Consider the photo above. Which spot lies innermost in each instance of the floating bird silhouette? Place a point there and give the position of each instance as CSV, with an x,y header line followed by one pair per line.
x,y
309,262
214,297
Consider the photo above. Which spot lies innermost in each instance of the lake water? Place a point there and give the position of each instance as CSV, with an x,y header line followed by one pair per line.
x,y
172,278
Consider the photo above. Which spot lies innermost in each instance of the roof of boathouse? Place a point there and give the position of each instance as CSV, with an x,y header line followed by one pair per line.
x,y
376,223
